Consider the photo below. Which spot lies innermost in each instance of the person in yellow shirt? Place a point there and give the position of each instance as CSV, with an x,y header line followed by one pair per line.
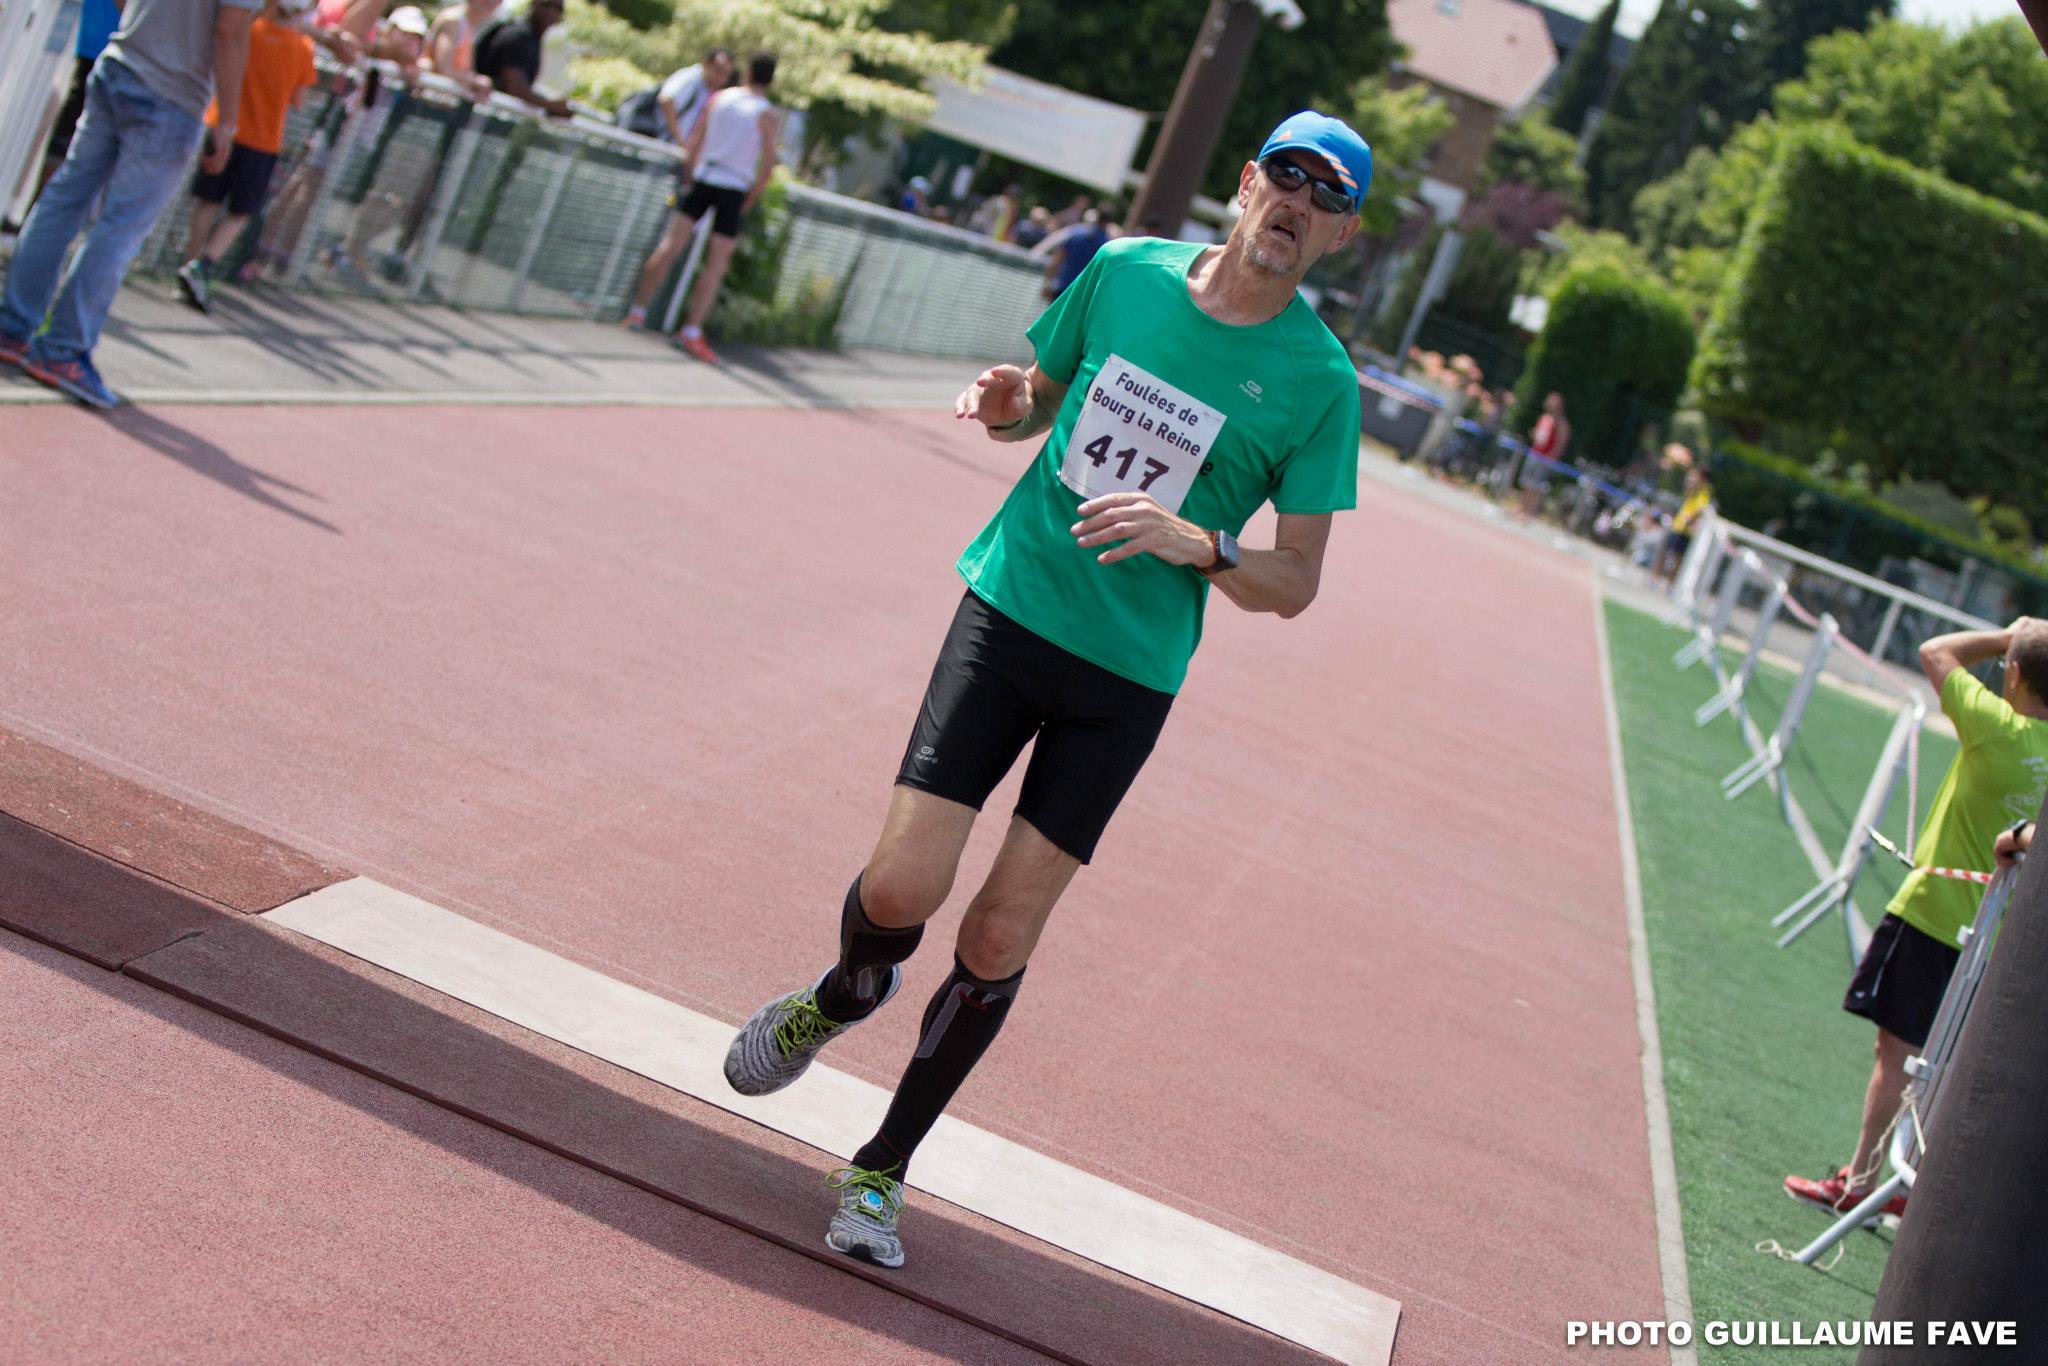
x,y
1994,789
1699,496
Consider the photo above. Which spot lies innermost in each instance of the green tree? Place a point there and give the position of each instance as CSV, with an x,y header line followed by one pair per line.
x,y
1786,27
1585,77
1971,107
832,57
1617,347
1530,151
1400,126
1680,90
1131,52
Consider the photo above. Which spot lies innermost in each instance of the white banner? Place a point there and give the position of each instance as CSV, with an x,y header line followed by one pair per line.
x,y
1086,140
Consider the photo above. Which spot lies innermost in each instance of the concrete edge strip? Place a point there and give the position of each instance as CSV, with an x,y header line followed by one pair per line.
x,y
834,1112
1656,1108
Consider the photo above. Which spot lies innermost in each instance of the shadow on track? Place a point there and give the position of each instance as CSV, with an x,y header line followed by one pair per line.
x,y
201,456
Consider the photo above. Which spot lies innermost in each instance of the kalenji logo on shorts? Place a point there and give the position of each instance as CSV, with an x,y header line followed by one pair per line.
x,y
1251,386
927,752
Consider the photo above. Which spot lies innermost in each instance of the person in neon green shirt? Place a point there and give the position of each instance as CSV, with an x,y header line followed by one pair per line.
x,y
1179,387
1995,786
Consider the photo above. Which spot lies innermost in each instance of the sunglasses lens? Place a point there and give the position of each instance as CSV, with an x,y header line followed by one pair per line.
x,y
1288,177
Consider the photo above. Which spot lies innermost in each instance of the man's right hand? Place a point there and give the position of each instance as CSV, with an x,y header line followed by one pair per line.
x,y
219,144
999,397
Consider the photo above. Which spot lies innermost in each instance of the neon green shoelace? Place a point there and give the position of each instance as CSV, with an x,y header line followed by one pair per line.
x,y
860,1179
804,1026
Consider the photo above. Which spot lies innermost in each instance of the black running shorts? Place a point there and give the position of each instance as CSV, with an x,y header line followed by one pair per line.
x,y
244,183
995,686
726,206
1900,982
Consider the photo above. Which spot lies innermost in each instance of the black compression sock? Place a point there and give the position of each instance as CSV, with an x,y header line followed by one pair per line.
x,y
866,953
959,1025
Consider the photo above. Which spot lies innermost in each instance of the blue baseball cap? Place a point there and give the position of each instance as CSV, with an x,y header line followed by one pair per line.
x,y
1334,140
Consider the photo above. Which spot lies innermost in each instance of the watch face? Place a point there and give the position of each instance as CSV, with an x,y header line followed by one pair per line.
x,y
1226,549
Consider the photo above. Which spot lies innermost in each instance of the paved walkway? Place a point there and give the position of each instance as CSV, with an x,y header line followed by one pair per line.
x,y
268,346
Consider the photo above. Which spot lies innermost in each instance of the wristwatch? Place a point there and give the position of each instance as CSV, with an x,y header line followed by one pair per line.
x,y
1225,546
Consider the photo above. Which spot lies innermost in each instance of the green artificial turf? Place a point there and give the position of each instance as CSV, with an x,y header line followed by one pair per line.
x,y
1763,1070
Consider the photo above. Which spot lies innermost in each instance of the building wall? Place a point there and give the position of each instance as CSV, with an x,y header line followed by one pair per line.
x,y
1462,150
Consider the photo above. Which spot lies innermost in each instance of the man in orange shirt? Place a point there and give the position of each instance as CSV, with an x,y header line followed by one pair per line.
x,y
280,68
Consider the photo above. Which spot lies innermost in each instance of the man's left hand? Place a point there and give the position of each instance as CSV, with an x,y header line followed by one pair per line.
x,y
1144,527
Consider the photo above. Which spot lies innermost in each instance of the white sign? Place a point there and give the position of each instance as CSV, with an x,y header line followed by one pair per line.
x,y
1084,139
1137,433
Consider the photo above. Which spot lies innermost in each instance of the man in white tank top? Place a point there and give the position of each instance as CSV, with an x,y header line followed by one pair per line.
x,y
729,157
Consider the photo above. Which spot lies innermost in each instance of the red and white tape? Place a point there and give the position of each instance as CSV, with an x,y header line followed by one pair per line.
x,y
1958,874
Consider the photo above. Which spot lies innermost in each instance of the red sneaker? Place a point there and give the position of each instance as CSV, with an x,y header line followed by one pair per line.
x,y
1832,1193
699,348
13,350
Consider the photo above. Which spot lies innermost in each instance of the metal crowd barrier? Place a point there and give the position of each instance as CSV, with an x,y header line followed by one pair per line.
x,y
1928,1069
430,197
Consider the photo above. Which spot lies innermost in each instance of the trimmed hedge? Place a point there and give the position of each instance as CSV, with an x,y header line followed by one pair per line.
x,y
1844,522
1618,347
1871,298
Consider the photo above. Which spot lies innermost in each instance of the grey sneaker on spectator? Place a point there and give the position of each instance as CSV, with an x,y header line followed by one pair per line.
x,y
779,1040
870,1203
192,282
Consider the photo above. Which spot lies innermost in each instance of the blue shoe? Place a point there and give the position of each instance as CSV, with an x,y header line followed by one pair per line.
x,y
76,379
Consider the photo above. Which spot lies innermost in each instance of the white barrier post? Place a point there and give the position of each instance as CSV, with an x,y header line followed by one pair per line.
x,y
1731,696
1772,756
1833,890
1707,639
1928,1069
1696,571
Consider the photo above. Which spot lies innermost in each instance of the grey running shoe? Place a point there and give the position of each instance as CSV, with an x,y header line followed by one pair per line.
x,y
779,1040
197,287
870,1203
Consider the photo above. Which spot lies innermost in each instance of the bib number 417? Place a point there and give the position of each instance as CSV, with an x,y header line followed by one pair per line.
x,y
1099,452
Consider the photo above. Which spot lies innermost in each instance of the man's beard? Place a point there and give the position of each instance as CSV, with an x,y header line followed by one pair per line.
x,y
1259,255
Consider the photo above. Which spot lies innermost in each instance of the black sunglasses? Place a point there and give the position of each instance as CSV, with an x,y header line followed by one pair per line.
x,y
1288,177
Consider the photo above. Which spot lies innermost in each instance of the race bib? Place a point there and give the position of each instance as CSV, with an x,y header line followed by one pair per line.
x,y
1138,434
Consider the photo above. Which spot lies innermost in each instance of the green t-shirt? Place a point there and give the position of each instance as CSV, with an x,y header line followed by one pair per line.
x,y
1210,419
1998,778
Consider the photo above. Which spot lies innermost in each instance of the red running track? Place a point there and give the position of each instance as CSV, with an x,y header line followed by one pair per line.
x,y
1350,972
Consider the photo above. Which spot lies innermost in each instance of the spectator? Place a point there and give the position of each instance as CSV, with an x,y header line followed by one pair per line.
x,y
1699,496
96,24
731,140
1033,227
1076,209
279,69
451,44
400,40
1998,778
1069,251
731,154
916,197
684,95
997,216
141,125
508,55
1550,440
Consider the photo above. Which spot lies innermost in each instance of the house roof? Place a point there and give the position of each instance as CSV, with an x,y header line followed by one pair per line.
x,y
1496,51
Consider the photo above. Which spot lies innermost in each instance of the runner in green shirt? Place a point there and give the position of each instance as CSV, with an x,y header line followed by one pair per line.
x,y
1996,783
1179,388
